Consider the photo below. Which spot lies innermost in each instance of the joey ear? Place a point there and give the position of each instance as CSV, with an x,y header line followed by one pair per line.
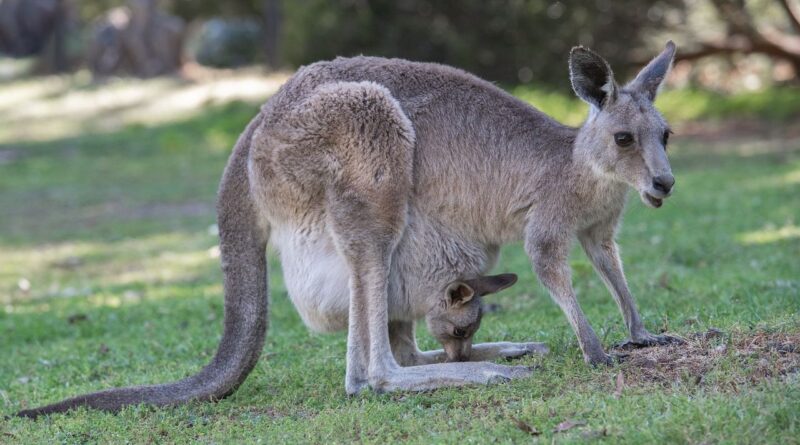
x,y
591,77
459,293
493,283
652,76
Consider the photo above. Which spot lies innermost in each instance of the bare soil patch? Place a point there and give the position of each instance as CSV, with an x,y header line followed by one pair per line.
x,y
714,358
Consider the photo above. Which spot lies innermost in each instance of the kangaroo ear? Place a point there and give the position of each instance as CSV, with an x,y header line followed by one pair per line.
x,y
652,76
491,284
458,294
591,77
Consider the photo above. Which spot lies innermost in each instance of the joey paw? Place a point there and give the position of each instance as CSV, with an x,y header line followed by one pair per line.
x,y
522,349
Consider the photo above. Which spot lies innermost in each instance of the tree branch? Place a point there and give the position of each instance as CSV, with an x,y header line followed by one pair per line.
x,y
743,37
741,47
794,19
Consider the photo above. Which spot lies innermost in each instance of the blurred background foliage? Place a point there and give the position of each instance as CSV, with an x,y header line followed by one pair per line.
x,y
508,41
724,45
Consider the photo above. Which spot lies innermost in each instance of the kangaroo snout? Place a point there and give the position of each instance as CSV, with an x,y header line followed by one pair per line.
x,y
663,184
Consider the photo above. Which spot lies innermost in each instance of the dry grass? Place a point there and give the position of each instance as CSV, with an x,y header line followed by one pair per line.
x,y
704,358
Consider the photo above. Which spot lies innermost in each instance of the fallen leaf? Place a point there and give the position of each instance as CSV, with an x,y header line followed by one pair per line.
x,y
526,427
594,434
698,379
783,348
568,425
68,263
620,385
709,334
663,282
24,285
76,318
132,295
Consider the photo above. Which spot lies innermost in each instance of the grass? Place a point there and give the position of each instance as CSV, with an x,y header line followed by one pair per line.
x,y
109,276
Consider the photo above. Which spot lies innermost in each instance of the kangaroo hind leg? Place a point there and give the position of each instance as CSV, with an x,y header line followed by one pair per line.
x,y
366,205
369,148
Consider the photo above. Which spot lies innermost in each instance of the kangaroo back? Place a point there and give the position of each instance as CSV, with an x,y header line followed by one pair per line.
x,y
242,246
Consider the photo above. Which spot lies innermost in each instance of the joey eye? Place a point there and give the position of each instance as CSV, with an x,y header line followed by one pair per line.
x,y
623,138
459,333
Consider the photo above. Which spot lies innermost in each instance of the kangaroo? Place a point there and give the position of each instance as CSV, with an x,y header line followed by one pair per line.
x,y
403,176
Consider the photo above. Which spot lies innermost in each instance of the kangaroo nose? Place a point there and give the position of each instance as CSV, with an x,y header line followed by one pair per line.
x,y
663,183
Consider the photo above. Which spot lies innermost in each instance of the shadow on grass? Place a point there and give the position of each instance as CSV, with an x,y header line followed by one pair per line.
x,y
131,183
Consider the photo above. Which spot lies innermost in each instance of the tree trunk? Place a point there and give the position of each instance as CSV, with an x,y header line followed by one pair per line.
x,y
139,40
272,28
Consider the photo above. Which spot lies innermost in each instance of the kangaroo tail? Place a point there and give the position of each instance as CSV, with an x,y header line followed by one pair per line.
x,y
242,247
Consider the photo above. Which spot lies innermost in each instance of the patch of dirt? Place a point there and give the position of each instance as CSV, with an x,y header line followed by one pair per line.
x,y
160,210
755,357
156,210
9,155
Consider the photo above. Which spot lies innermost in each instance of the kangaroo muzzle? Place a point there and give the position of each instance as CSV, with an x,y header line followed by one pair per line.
x,y
662,185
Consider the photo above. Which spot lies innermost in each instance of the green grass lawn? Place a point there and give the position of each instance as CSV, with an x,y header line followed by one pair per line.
x,y
109,277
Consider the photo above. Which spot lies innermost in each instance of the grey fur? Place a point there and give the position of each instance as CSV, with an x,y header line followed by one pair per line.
x,y
408,176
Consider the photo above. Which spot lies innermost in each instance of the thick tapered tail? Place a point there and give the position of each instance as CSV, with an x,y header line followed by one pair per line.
x,y
242,247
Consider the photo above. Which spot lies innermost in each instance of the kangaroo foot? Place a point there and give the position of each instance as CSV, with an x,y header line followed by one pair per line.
x,y
427,377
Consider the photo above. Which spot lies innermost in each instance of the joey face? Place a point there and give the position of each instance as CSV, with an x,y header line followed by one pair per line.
x,y
457,315
625,138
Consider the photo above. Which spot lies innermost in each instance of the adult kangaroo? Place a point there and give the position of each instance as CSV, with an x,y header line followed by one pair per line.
x,y
380,181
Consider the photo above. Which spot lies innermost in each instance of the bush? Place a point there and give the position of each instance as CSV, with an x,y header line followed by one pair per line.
x,y
228,42
502,40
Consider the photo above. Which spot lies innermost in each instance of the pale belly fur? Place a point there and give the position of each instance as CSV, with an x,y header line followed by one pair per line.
x,y
316,278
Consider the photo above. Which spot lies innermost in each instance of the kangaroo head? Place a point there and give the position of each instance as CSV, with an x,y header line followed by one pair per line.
x,y
625,137
457,316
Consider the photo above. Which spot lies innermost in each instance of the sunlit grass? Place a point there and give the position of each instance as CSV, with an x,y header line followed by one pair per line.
x,y
62,106
770,235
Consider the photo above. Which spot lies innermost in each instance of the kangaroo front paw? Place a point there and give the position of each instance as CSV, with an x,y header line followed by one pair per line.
x,y
647,340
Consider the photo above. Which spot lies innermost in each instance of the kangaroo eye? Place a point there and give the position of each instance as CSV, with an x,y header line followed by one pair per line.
x,y
459,333
623,138
665,139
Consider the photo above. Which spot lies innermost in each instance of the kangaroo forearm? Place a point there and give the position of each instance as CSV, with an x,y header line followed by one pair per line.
x,y
549,258
605,258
